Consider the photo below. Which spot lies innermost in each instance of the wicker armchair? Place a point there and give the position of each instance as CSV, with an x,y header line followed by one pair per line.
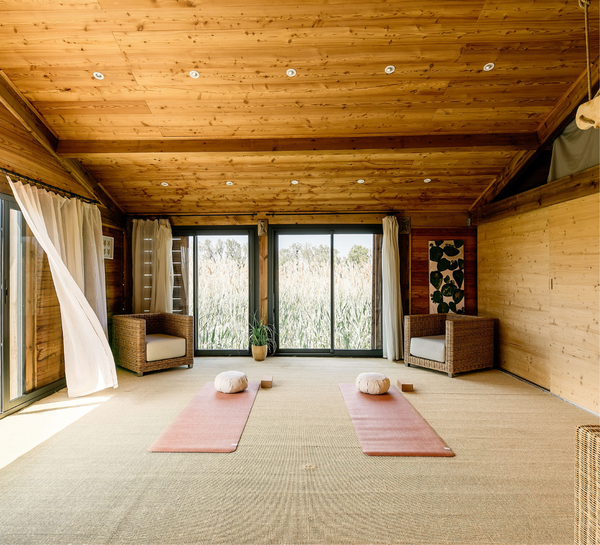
x,y
469,341
129,340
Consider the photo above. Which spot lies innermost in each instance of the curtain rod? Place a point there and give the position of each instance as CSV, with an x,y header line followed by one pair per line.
x,y
52,188
272,214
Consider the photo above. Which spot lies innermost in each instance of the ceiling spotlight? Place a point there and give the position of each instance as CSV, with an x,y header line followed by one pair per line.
x,y
489,66
290,72
98,75
164,184
360,181
427,180
390,69
194,74
294,182
228,183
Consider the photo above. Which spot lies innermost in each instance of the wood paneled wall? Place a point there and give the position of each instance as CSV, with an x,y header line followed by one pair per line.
x,y
45,361
115,274
539,275
419,266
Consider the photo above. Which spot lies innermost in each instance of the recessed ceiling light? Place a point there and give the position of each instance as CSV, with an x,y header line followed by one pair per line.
x,y
290,72
427,180
360,181
489,66
294,182
98,75
164,184
229,183
390,69
194,74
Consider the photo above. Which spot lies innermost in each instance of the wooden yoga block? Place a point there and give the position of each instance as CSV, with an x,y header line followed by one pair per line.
x,y
266,381
404,387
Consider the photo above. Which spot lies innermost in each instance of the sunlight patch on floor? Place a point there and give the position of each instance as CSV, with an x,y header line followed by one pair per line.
x,y
28,428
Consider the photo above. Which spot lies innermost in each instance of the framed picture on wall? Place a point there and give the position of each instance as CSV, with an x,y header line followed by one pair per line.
x,y
446,277
109,247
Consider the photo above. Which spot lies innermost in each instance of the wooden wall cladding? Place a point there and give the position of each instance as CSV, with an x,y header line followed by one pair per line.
x,y
419,266
45,355
514,287
21,153
539,275
115,274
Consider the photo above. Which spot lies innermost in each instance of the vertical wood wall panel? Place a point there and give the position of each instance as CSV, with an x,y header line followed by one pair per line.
x,y
114,270
575,301
419,266
539,275
514,287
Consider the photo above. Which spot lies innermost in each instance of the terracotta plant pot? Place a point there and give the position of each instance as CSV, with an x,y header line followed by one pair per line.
x,y
259,353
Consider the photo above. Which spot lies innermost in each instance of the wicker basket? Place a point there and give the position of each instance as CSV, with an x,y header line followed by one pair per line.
x,y
587,484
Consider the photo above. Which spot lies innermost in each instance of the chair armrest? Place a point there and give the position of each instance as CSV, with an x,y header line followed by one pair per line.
x,y
129,338
180,325
469,338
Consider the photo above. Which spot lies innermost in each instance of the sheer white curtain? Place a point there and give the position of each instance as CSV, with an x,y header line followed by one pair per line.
x,y
391,307
152,244
70,232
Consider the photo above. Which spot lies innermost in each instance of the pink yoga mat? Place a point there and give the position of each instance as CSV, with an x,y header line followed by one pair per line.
x,y
388,425
212,422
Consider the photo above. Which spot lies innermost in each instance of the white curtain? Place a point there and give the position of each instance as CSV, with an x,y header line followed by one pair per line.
x,y
70,232
391,305
152,244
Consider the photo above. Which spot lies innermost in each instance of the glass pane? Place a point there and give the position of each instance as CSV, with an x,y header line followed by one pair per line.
x,y
304,291
16,305
222,296
353,291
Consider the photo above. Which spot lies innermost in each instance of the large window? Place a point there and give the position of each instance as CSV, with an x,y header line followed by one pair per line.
x,y
214,280
326,286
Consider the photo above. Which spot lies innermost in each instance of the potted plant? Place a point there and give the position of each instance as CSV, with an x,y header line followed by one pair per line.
x,y
262,338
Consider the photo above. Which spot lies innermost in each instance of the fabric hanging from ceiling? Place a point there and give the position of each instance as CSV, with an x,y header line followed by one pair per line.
x,y
573,151
152,245
70,232
391,295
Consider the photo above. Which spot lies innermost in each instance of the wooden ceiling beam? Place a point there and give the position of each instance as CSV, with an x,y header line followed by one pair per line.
x,y
547,131
29,118
409,144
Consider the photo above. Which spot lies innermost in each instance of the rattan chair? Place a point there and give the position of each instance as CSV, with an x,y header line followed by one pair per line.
x,y
129,340
469,341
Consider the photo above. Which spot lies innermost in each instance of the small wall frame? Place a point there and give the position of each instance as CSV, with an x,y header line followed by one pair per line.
x,y
109,247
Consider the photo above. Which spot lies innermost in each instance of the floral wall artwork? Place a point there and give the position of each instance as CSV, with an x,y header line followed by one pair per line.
x,y
446,277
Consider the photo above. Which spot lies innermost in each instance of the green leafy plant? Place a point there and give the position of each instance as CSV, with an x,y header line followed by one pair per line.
x,y
262,334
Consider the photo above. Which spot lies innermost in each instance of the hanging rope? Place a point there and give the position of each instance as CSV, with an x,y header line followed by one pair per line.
x,y
584,4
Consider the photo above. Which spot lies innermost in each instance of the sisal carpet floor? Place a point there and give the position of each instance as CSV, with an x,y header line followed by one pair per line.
x,y
299,475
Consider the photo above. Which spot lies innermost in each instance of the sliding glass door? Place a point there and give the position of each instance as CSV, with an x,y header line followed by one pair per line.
x,y
215,281
326,286
27,298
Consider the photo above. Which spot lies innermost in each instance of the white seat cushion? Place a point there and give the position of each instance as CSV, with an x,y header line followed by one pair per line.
x,y
231,382
372,383
429,348
164,347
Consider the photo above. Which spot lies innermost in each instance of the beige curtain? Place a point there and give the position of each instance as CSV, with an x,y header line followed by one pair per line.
x,y
70,232
391,306
573,151
152,245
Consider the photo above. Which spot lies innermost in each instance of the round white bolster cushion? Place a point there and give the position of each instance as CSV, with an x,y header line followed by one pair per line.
x,y
231,382
372,383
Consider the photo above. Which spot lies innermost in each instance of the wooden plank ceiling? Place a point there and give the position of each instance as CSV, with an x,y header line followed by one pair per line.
x,y
339,120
